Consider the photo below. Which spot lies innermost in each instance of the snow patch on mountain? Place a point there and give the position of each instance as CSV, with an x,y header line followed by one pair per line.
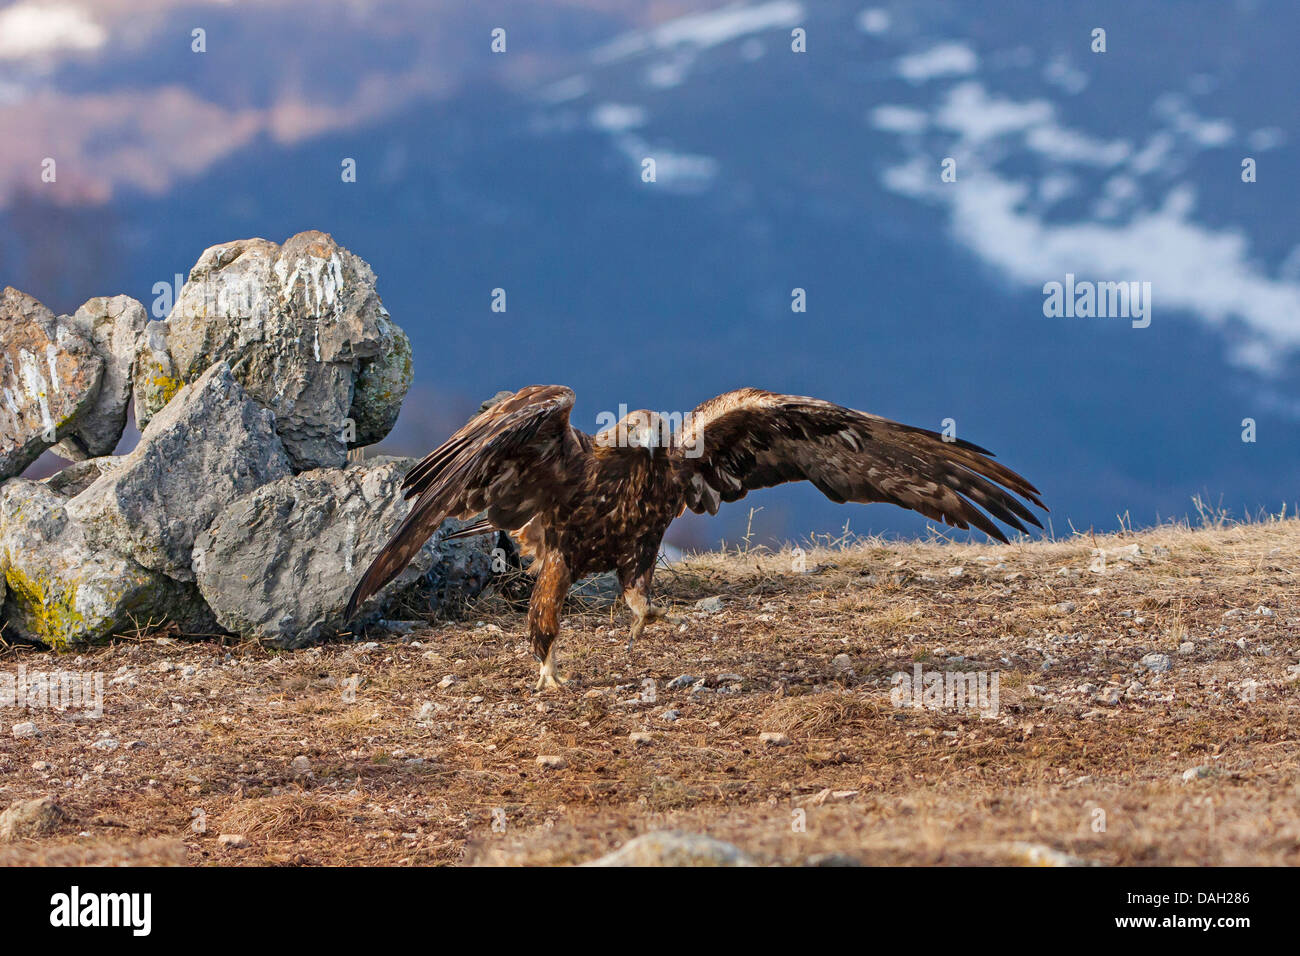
x,y
1204,272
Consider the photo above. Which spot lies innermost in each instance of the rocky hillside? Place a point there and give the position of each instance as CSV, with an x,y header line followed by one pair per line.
x,y
1120,700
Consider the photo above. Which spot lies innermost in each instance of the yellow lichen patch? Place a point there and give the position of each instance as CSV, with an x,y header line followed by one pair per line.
x,y
166,387
50,609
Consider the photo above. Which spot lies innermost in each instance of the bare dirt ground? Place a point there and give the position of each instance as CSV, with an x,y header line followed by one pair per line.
x,y
364,753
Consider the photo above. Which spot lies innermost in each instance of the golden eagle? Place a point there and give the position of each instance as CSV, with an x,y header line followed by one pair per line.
x,y
583,504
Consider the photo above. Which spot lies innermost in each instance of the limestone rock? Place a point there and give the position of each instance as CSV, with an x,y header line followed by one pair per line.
x,y
112,326
154,375
27,819
209,446
674,848
279,564
63,592
381,384
306,333
49,375
80,475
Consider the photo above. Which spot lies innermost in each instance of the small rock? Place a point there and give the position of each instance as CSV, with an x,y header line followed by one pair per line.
x,y
827,795
773,739
1196,773
709,605
680,681
232,841
842,664
831,859
1157,663
669,715
25,729
1187,647
1036,854
640,738
1065,607
551,762
956,572
300,766
105,743
674,848
30,818
447,681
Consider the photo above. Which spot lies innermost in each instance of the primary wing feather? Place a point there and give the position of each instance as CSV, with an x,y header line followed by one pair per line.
x,y
749,439
512,461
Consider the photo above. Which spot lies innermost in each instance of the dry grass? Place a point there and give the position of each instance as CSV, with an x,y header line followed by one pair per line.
x,y
1083,732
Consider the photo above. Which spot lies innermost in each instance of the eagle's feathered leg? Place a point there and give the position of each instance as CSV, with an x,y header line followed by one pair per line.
x,y
636,592
544,616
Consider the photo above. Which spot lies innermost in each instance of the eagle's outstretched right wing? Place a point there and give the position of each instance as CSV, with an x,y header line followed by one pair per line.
x,y
513,460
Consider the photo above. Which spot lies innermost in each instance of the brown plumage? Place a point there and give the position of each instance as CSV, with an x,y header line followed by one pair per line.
x,y
583,504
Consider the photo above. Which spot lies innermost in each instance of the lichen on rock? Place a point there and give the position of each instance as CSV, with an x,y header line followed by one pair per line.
x,y
49,375
306,334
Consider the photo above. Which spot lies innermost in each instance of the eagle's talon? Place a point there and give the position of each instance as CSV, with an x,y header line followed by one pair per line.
x,y
548,679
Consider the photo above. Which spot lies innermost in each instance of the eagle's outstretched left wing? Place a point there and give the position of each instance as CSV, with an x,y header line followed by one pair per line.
x,y
750,439
512,460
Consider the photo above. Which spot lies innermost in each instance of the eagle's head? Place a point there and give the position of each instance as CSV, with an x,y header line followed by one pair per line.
x,y
642,429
